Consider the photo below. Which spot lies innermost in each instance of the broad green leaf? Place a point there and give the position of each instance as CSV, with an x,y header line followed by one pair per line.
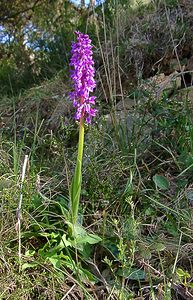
x,y
55,260
75,190
137,274
132,273
144,251
112,248
65,241
29,265
180,272
161,182
30,253
88,238
87,276
52,235
81,236
76,229
158,246
187,275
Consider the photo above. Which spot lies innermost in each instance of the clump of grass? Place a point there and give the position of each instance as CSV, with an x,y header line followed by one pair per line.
x,y
144,221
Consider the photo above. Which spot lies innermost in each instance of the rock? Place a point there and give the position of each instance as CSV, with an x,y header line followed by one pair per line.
x,y
186,94
129,123
174,65
156,86
170,83
126,104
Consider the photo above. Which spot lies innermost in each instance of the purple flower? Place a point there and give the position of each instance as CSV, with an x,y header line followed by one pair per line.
x,y
82,75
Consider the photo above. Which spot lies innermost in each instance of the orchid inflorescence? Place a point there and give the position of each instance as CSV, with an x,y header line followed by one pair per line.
x,y
82,76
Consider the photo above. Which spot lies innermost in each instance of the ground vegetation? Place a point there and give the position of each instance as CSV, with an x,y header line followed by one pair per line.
x,y
137,189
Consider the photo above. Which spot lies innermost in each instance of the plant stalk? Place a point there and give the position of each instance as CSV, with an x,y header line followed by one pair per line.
x,y
77,180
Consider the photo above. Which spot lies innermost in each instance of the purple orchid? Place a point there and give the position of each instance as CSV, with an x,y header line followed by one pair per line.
x,y
82,75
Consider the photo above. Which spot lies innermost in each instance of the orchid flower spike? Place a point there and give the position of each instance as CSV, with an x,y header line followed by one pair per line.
x,y
82,75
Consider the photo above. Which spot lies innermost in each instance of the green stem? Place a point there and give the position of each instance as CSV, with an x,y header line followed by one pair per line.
x,y
81,141
77,180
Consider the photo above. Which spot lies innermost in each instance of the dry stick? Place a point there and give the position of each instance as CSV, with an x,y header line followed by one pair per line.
x,y
107,56
18,225
69,291
175,46
119,76
105,59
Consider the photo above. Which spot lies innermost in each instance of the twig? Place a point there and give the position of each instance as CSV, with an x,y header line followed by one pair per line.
x,y
18,225
173,42
145,264
69,291
177,255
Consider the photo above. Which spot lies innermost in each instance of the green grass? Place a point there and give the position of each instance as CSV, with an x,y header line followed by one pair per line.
x,y
145,222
